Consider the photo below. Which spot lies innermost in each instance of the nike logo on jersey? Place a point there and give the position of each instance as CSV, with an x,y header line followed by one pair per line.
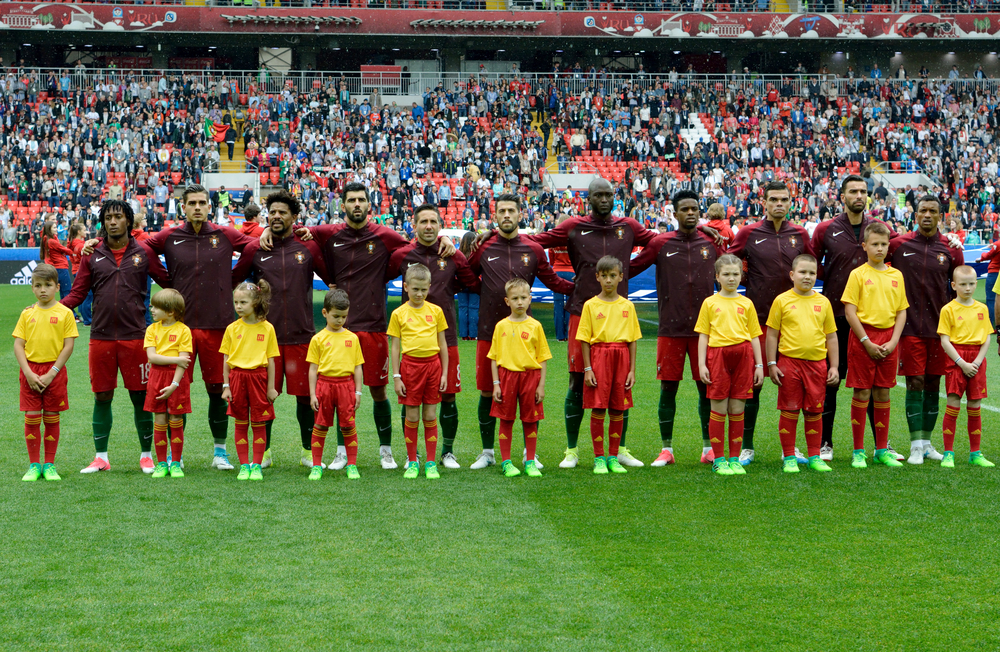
x,y
836,233
673,253
912,253
266,258
177,242
759,241
338,244
100,259
492,259
585,232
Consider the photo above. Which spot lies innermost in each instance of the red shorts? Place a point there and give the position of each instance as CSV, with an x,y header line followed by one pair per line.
x,y
484,371
177,403
731,371
55,398
206,350
335,394
611,364
422,380
454,373
862,371
574,350
921,356
249,390
803,387
108,357
518,389
375,349
958,383
670,357
291,366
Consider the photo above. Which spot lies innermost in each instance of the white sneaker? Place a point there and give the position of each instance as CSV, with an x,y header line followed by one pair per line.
x,y
571,459
485,459
221,462
524,458
448,461
931,453
386,456
826,453
625,458
893,451
799,457
339,461
916,455
746,456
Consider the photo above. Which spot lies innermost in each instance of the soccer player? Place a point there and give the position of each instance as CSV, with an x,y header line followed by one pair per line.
x,y
926,261
803,320
729,361
288,267
335,361
199,255
875,306
685,273
356,254
768,249
518,355
965,337
588,239
419,357
448,276
608,331
249,348
117,270
168,346
43,342
501,257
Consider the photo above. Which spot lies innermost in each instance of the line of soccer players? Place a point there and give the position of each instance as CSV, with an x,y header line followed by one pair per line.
x,y
243,362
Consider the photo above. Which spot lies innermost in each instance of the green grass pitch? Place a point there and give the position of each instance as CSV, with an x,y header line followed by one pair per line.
x,y
659,559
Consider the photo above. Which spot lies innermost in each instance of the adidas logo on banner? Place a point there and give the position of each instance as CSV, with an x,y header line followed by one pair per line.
x,y
24,276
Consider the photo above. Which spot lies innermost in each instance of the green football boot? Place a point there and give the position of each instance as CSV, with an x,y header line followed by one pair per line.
x,y
615,466
816,464
600,466
509,470
162,470
948,461
412,470
721,467
176,471
255,472
49,472
790,465
859,461
34,472
531,469
352,472
316,473
431,470
977,459
886,457
736,467
244,472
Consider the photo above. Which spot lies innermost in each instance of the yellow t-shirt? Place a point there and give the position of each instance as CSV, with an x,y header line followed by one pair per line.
x,y
335,354
169,340
879,295
727,320
804,323
249,345
519,345
608,321
43,331
965,324
417,329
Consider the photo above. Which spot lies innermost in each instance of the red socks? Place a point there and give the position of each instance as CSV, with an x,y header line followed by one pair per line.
x,y
717,434
410,437
948,425
597,431
33,437
788,424
530,438
975,429
881,425
176,439
735,434
506,432
51,436
814,432
431,439
350,433
240,434
859,415
318,441
615,426
160,441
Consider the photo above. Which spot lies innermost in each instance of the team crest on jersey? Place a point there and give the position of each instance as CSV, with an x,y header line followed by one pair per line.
x,y
442,264
704,253
793,241
941,259
300,257
371,248
214,241
620,232
526,259
136,260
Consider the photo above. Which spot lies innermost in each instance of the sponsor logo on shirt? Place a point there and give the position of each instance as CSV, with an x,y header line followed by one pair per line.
x,y
53,320
429,318
869,282
600,315
260,338
348,343
817,309
172,338
525,335
980,315
625,314
895,284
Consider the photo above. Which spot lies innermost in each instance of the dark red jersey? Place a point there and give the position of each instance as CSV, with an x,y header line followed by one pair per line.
x,y
356,260
499,260
448,276
201,266
685,277
589,240
288,268
769,257
926,265
119,290
839,252
993,256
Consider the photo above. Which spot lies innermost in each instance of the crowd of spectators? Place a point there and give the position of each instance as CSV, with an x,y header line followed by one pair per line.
x,y
69,138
